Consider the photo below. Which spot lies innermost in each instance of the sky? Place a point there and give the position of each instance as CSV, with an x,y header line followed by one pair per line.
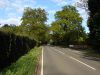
x,y
11,11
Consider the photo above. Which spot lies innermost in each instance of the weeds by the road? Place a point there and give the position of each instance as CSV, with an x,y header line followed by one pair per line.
x,y
26,65
91,53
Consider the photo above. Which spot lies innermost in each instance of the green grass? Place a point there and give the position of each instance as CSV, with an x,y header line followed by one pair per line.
x,y
26,65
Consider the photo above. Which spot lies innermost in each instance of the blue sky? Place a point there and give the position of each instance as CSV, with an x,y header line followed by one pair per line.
x,y
11,10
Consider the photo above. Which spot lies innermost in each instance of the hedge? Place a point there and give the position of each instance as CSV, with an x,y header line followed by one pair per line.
x,y
12,47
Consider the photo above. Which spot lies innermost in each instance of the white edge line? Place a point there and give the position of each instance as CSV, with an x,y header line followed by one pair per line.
x,y
42,63
76,60
82,63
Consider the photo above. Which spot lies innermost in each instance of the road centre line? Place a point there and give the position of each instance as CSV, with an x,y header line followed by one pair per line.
x,y
76,59
82,63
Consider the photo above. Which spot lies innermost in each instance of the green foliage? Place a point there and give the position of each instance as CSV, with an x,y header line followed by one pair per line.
x,y
26,65
67,28
15,41
9,28
12,47
33,23
94,23
33,16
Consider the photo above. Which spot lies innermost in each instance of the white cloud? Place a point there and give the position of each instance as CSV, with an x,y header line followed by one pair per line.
x,y
41,6
60,2
10,15
52,11
17,5
84,15
15,21
14,9
4,3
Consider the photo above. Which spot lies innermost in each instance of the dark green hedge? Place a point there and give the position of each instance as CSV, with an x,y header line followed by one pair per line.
x,y
12,47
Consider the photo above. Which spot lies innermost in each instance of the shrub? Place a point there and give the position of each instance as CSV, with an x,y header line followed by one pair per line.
x,y
12,47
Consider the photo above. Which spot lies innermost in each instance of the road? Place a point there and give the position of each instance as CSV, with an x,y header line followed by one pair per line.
x,y
64,61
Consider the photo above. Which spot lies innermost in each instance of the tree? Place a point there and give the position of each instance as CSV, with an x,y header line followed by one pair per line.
x,y
94,23
67,28
82,4
33,23
9,28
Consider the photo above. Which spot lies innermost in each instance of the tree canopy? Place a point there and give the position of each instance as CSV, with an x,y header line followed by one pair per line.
x,y
33,23
94,23
67,26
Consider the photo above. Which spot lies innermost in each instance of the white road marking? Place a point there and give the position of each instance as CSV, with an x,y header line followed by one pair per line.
x,y
42,63
75,59
82,62
59,51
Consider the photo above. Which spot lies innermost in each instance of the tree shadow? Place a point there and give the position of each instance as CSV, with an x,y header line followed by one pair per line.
x,y
90,55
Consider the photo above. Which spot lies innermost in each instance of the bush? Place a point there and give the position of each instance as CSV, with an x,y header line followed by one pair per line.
x,y
12,47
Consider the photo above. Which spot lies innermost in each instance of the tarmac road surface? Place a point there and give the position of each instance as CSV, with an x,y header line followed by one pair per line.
x,y
64,61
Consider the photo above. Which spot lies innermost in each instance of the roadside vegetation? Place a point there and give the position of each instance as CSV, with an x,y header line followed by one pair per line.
x,y
12,47
26,65
16,41
91,53
94,24
92,7
67,29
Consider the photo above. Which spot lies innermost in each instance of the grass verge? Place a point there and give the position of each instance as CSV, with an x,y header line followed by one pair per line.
x,y
92,53
26,65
